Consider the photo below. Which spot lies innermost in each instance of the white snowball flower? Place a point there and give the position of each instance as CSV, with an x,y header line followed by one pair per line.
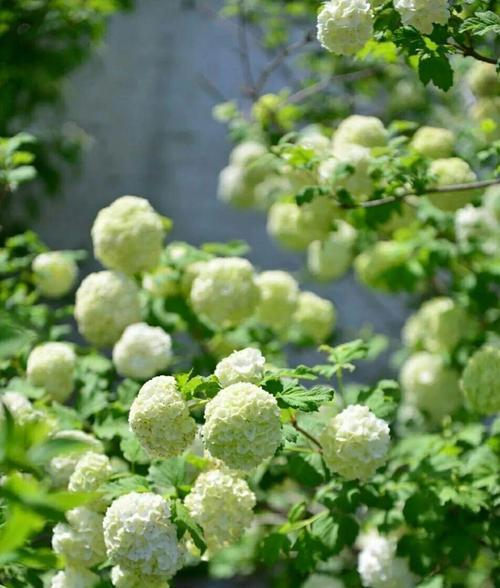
x,y
491,201
423,14
91,472
430,385
247,152
54,273
315,317
378,565
234,187
20,408
242,426
279,294
449,171
358,181
106,303
355,443
344,26
433,142
331,258
140,536
478,224
225,291
221,504
128,235
367,131
123,578
142,351
61,467
159,417
74,578
80,541
483,79
374,266
246,365
481,380
51,366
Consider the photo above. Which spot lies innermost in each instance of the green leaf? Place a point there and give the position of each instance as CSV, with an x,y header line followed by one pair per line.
x,y
14,336
382,399
185,524
307,469
272,547
304,399
435,68
168,474
236,248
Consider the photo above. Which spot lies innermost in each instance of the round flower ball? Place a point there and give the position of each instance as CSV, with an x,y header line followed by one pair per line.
x,y
242,426
160,419
430,385
247,152
355,443
235,188
20,408
486,112
378,565
106,303
478,225
142,351
161,283
76,577
128,235
294,226
450,171
481,380
271,189
331,258
422,14
224,291
315,317
91,472
62,466
51,366
491,201
344,26
375,266
54,273
279,293
140,536
358,181
483,79
246,365
80,541
221,504
433,142
367,131
123,578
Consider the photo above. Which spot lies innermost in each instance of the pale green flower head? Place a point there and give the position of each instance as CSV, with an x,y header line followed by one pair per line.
x,y
55,273
51,366
279,293
315,317
450,171
433,142
344,26
481,381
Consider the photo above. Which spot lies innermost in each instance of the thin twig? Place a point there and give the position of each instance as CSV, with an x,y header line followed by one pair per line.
x,y
211,89
468,51
244,51
436,190
306,434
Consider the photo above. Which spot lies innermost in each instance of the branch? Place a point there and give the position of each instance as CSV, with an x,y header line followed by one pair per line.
x,y
244,52
280,58
468,51
436,190
306,434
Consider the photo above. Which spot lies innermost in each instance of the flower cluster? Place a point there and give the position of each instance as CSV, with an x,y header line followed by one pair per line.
x,y
422,14
331,258
315,317
221,504
142,351
242,426
74,577
279,293
246,365
481,380
160,418
20,408
355,443
122,578
433,142
51,366
55,273
91,471
378,565
344,26
449,171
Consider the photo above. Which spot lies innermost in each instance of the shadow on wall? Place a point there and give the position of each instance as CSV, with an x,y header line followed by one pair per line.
x,y
143,101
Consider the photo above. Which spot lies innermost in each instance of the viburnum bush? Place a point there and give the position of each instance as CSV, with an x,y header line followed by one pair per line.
x,y
152,428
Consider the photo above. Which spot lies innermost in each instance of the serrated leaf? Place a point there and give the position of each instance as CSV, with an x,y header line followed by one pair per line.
x,y
186,524
304,399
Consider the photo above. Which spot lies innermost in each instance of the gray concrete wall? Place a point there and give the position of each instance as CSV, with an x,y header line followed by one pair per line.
x,y
141,100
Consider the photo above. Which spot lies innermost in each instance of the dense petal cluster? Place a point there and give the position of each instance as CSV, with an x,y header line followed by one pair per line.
x,y
315,317
344,26
294,226
331,258
128,235
246,365
224,291
430,385
106,303
20,408
478,224
486,112
491,201
481,380
375,266
74,577
61,467
140,536
450,171
483,79
439,325
91,471
378,565
433,142
221,504
367,131
160,418
54,273
422,14
279,293
355,443
142,351
51,366
357,181
80,541
242,426
122,578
